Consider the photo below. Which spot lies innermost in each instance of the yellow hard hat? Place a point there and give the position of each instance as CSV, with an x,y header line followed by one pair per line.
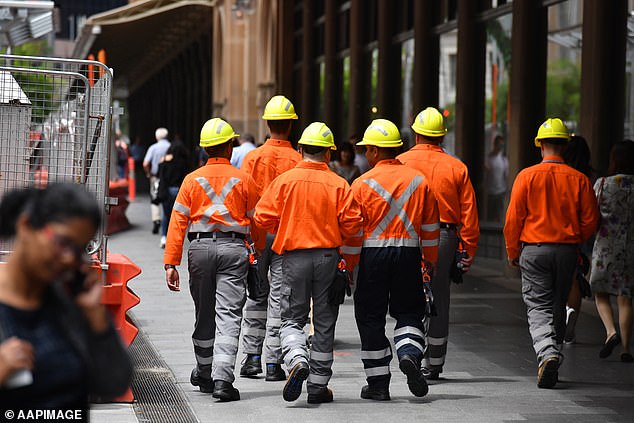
x,y
382,133
429,122
319,135
279,108
552,128
215,132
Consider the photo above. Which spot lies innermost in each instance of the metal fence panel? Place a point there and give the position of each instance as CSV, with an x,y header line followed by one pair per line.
x,y
55,121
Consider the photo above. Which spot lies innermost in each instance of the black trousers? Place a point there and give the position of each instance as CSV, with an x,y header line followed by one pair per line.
x,y
390,280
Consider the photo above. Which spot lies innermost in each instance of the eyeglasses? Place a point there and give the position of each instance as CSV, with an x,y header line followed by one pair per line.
x,y
66,245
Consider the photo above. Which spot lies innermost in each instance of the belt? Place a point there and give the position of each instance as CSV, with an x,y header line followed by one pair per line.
x,y
197,235
452,226
539,244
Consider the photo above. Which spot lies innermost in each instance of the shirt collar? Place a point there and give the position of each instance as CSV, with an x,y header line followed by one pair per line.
x,y
217,160
432,147
388,162
278,143
312,165
554,158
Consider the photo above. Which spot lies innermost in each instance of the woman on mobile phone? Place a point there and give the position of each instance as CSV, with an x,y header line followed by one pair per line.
x,y
57,343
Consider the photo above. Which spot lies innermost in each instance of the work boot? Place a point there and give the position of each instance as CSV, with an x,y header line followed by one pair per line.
x,y
225,391
206,385
374,393
155,227
251,365
415,380
274,373
322,396
297,376
547,373
431,373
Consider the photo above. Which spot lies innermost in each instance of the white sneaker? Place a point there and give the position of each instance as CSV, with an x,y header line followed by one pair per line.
x,y
163,240
571,321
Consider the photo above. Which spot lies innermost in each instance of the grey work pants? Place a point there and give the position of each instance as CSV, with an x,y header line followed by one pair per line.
x,y
309,273
262,315
218,271
438,329
547,271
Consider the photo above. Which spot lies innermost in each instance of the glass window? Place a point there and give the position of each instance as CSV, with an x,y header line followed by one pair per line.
x,y
447,85
496,117
407,86
563,79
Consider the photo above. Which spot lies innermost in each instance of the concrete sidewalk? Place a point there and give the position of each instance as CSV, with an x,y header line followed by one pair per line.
x,y
490,374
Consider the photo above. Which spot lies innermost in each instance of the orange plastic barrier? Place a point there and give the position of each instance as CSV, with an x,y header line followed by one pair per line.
x,y
117,220
131,180
119,299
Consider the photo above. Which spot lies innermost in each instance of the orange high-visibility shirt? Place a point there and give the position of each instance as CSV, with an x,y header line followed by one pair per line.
x,y
398,209
264,164
216,197
450,183
550,203
308,207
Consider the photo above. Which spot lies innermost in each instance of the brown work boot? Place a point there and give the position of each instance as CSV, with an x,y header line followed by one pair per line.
x,y
547,373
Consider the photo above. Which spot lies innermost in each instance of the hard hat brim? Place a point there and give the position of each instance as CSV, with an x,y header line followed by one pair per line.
x,y
379,144
317,144
271,116
429,133
217,141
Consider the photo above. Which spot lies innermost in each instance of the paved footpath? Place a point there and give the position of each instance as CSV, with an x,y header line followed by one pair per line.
x,y
490,374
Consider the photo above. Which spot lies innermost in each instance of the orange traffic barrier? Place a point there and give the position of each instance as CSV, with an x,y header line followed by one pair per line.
x,y
131,180
118,298
117,220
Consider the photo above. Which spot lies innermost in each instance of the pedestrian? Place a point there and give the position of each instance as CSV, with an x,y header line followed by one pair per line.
x,y
151,163
313,212
551,211
246,143
57,343
172,171
613,256
262,312
214,202
400,228
449,180
122,153
360,160
497,171
345,166
577,156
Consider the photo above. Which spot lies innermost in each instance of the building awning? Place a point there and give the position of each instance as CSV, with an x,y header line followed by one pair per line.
x,y
142,37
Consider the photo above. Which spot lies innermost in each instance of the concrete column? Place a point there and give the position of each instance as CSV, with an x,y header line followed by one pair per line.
x,y
285,37
357,82
332,90
528,83
426,55
603,77
389,65
470,90
308,84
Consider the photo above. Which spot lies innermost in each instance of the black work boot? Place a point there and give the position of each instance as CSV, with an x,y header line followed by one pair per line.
x,y
415,380
206,385
375,393
225,391
274,373
251,365
322,396
297,376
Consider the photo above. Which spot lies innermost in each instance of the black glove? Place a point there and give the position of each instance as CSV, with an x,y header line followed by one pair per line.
x,y
340,287
455,274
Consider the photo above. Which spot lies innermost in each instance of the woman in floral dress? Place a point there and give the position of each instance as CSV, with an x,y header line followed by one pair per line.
x,y
613,253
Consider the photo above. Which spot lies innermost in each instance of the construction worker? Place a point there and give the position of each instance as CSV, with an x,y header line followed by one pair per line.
x,y
552,210
312,211
400,220
450,183
215,202
264,164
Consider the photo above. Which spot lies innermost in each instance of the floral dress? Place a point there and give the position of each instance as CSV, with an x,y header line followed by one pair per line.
x,y
613,252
